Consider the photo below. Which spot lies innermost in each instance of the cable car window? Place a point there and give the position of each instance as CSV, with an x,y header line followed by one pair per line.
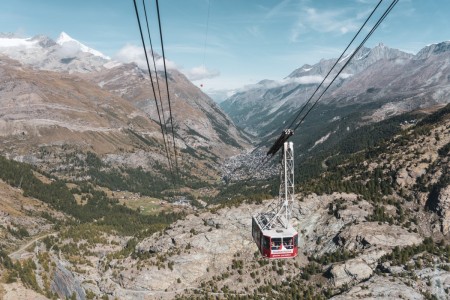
x,y
266,240
296,240
288,242
276,244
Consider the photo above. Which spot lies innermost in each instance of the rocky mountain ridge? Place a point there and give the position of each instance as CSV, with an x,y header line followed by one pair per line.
x,y
199,121
378,82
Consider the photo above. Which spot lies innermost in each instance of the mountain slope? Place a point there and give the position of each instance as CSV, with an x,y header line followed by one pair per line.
x,y
52,108
199,122
72,128
365,220
65,94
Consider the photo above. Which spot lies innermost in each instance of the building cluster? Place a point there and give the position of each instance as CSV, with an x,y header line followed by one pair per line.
x,y
252,164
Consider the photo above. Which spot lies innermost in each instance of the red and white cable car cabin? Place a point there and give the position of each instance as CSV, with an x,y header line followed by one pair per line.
x,y
275,243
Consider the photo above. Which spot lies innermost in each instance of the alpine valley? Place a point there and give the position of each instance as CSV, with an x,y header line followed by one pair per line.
x,y
89,208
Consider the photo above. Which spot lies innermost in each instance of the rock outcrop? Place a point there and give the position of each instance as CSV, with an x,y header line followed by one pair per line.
x,y
371,234
379,287
64,284
353,270
195,246
319,220
444,209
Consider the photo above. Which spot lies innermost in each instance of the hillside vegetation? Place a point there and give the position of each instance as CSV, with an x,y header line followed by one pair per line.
x,y
373,221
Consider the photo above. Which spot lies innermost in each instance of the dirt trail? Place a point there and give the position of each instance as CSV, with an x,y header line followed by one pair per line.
x,y
19,252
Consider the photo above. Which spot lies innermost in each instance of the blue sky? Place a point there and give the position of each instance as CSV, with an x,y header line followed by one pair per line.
x,y
247,40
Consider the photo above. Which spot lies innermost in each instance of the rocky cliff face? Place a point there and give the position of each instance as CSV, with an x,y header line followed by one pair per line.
x,y
444,209
65,285
433,49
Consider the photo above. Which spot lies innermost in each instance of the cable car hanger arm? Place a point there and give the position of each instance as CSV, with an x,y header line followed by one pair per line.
x,y
285,135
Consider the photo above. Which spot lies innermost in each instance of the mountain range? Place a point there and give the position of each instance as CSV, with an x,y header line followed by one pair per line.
x,y
64,94
377,83
88,209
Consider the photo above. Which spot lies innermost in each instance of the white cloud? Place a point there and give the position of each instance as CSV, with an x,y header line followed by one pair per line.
x,y
330,21
17,42
270,84
131,53
255,31
310,79
219,95
296,31
224,86
335,21
170,65
277,9
199,73
345,75
68,49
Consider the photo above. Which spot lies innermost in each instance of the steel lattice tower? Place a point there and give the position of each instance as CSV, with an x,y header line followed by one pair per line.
x,y
279,214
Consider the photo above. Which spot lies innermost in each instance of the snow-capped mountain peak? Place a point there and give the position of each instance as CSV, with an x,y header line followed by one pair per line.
x,y
64,38
67,41
64,54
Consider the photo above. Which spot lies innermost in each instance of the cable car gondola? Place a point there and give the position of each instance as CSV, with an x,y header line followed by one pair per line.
x,y
275,243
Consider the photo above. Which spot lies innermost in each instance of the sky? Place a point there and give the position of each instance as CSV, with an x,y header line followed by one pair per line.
x,y
236,44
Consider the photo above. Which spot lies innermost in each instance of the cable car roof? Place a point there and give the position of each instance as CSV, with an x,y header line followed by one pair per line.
x,y
280,232
277,231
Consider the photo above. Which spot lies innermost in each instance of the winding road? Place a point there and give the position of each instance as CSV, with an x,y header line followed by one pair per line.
x,y
19,252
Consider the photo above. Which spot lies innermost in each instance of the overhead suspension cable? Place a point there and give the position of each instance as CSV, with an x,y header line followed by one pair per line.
x,y
156,73
334,65
167,87
388,10
153,89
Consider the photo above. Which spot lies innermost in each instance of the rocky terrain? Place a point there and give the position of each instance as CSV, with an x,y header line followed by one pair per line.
x,y
22,217
374,226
